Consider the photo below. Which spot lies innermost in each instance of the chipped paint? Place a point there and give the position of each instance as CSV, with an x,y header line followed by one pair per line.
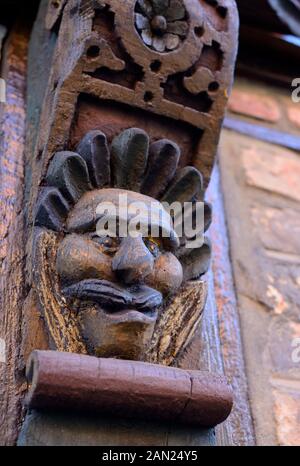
x,y
279,303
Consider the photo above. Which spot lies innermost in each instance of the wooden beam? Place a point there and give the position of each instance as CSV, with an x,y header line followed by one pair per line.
x,y
281,16
289,12
263,134
12,123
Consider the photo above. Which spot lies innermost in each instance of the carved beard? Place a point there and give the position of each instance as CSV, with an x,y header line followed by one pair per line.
x,y
115,321
173,330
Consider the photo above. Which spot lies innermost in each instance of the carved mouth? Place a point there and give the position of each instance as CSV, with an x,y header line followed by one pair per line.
x,y
116,300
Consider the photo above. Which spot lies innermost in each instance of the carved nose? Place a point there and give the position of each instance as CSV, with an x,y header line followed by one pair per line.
x,y
133,261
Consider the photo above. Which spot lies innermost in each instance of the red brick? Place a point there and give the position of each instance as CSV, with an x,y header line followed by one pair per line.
x,y
282,333
287,417
278,228
272,169
254,105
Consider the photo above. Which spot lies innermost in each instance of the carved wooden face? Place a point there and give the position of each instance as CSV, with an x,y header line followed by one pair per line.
x,y
114,285
117,285
166,65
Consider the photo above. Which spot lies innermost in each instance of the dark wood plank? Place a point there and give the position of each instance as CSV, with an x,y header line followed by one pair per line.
x,y
263,134
11,232
41,429
273,15
239,423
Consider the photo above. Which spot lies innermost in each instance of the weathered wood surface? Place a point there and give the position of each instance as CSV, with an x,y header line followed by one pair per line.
x,y
225,305
63,104
12,136
80,96
76,86
96,86
40,429
131,389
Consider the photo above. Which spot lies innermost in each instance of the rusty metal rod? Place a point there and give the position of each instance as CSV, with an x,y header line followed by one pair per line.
x,y
126,388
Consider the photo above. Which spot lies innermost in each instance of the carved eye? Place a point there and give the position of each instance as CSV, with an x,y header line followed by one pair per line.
x,y
107,244
153,244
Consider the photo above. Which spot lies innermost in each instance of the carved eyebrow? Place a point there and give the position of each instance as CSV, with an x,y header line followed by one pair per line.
x,y
79,224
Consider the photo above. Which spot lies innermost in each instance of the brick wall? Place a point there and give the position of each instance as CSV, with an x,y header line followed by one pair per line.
x,y
261,186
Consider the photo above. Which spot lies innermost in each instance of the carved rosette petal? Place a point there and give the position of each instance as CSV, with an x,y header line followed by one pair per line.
x,y
162,24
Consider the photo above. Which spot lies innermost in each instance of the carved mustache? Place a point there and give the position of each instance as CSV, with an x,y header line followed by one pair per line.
x,y
141,298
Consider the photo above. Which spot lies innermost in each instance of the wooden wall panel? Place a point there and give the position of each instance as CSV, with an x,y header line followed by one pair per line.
x,y
12,136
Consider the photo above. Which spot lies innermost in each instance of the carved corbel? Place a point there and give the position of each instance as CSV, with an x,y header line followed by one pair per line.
x,y
134,105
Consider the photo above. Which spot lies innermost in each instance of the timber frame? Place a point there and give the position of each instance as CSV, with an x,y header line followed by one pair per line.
x,y
95,73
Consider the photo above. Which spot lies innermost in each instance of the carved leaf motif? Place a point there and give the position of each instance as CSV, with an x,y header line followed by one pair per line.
x,y
159,44
145,7
172,41
147,37
129,153
175,11
69,173
52,209
187,186
94,150
178,27
160,6
162,164
207,215
141,22
195,262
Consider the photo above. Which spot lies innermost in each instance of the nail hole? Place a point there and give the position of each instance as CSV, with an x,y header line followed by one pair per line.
x,y
148,96
213,86
73,11
155,66
55,3
222,11
39,154
199,31
93,51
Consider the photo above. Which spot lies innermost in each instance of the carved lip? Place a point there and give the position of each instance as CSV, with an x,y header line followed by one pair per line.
x,y
116,300
132,315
